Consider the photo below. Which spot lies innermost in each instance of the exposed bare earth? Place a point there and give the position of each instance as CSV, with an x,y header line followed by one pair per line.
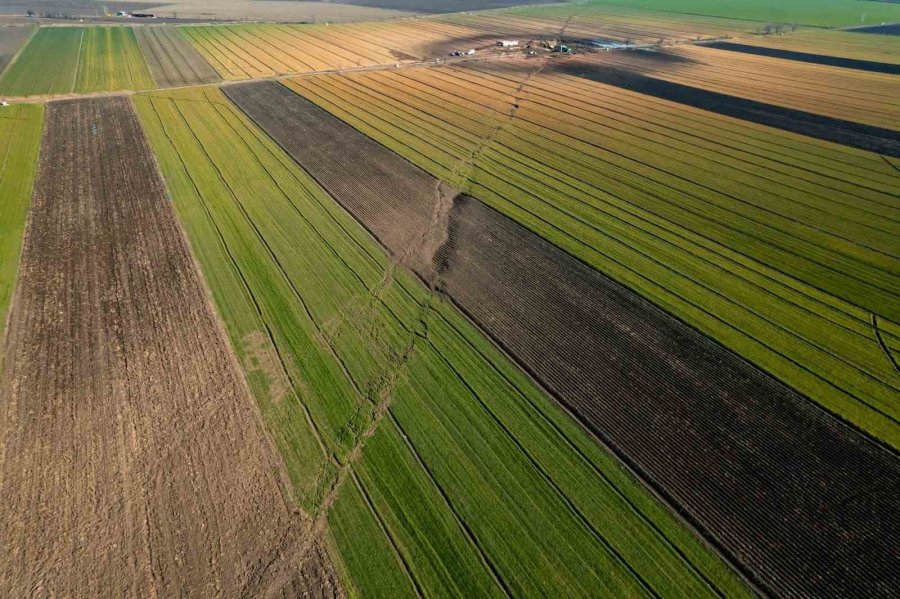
x,y
173,61
132,458
803,504
11,39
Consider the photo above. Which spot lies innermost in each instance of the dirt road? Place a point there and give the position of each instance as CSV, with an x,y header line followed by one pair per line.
x,y
133,462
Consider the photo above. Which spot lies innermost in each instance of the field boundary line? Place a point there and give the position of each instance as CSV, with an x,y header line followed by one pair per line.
x,y
251,295
752,311
568,441
271,252
4,333
644,481
244,281
384,529
695,197
631,210
19,52
387,380
542,473
725,298
78,64
274,453
460,521
152,45
701,308
884,347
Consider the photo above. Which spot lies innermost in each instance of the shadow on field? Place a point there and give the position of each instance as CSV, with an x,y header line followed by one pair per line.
x,y
832,61
848,133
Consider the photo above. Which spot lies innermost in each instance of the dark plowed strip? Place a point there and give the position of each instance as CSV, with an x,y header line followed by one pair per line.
x,y
833,61
804,504
893,29
848,133
132,460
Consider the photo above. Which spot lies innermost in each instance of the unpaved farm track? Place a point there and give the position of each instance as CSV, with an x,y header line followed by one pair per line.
x,y
132,461
805,505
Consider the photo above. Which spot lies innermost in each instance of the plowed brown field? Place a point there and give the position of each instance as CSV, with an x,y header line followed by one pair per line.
x,y
132,460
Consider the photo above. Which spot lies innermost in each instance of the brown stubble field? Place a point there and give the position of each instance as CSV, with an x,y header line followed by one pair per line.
x,y
132,459
11,40
172,60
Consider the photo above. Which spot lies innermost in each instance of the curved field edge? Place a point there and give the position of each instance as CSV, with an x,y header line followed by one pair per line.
x,y
456,125
398,421
20,142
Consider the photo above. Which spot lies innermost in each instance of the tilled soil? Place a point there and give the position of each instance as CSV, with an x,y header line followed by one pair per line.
x,y
132,458
805,505
391,197
173,61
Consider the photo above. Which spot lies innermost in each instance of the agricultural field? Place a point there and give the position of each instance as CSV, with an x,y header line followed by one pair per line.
x,y
20,136
778,246
48,64
815,13
172,60
11,41
399,423
61,60
569,319
111,60
846,94
595,21
806,57
248,51
129,435
883,49
311,299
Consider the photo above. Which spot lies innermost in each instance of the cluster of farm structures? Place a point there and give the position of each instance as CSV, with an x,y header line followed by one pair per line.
x,y
293,309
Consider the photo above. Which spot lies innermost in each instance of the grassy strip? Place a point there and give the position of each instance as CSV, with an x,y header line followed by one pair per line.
x,y
454,475
46,65
20,141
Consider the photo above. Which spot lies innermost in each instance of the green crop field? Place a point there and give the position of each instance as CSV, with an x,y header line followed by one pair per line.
x,y
781,247
59,60
47,65
440,469
111,60
20,140
819,13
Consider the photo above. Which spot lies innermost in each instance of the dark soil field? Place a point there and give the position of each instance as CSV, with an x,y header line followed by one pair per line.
x,y
893,29
11,39
803,504
133,460
392,198
834,61
173,61
857,135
